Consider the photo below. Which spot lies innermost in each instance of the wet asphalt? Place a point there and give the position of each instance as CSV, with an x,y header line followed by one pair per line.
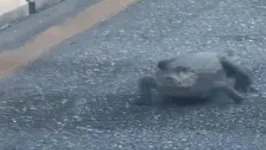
x,y
80,95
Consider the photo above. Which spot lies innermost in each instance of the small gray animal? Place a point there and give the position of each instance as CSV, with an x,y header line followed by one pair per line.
x,y
202,75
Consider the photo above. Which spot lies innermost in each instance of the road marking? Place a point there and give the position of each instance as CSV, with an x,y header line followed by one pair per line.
x,y
11,60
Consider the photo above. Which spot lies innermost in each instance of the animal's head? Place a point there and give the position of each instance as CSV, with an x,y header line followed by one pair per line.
x,y
176,78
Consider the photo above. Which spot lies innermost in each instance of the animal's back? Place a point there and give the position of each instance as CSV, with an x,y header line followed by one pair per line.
x,y
200,62
207,68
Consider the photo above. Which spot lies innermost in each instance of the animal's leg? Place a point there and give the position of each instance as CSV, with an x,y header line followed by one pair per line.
x,y
231,92
146,84
243,80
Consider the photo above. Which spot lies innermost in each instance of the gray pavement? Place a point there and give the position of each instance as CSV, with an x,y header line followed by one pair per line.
x,y
80,95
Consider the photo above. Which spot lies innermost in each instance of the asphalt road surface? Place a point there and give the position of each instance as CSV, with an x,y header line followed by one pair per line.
x,y
80,95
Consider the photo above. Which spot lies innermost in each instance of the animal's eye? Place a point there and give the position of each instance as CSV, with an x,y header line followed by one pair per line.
x,y
169,79
181,69
185,69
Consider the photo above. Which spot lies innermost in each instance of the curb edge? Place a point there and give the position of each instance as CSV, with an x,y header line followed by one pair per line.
x,y
27,8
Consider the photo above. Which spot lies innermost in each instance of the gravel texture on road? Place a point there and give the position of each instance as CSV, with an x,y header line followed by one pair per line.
x,y
80,96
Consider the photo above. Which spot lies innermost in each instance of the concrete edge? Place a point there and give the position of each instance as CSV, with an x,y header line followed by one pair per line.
x,y
15,14
43,4
27,7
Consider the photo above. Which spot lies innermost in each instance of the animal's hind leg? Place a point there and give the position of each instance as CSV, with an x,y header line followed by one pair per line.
x,y
146,84
231,92
243,80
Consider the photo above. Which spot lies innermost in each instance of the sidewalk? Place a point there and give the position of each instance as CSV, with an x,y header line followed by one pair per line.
x,y
7,5
11,10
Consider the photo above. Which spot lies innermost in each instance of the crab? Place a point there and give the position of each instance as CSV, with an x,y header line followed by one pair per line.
x,y
202,75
